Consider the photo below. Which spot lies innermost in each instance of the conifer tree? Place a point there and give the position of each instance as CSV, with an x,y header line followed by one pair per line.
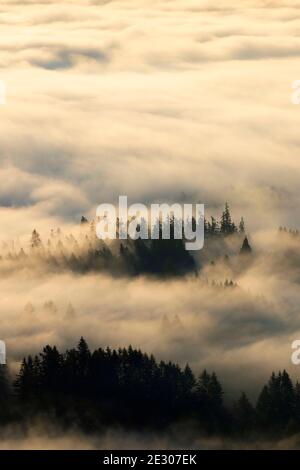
x,y
246,248
227,226
244,415
35,241
242,226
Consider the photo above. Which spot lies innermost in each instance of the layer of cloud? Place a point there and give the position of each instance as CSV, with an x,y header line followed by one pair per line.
x,y
151,100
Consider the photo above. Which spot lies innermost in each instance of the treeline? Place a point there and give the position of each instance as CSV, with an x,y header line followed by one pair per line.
x,y
127,387
288,231
84,253
224,226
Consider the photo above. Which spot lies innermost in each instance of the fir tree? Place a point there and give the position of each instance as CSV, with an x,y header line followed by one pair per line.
x,y
35,241
242,226
246,248
244,415
227,226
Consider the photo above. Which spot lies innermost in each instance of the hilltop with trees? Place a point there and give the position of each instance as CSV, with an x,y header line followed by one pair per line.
x,y
107,387
85,252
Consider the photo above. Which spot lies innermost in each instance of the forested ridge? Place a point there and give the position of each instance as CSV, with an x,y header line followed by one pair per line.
x,y
84,252
126,387
96,390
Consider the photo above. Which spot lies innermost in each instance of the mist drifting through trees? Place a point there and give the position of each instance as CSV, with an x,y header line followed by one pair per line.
x,y
182,100
123,387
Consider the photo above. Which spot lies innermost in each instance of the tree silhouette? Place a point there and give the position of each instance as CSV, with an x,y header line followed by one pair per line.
x,y
246,248
35,241
242,226
244,415
227,226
